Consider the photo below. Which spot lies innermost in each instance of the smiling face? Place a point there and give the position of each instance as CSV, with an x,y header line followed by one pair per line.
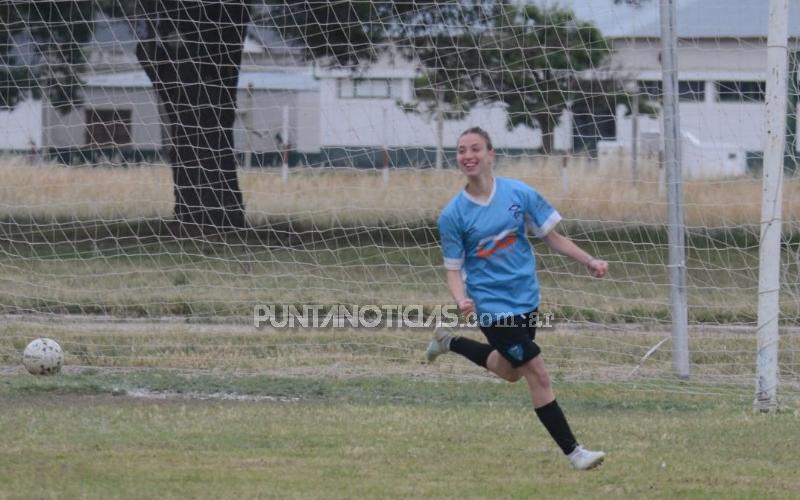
x,y
474,156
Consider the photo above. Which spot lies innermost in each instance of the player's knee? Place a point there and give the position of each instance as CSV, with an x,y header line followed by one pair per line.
x,y
512,376
543,379
536,374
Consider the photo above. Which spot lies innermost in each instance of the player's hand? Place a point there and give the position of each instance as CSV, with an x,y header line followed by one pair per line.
x,y
466,306
597,268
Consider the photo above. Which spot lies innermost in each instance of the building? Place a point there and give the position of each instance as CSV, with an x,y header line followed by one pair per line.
x,y
722,70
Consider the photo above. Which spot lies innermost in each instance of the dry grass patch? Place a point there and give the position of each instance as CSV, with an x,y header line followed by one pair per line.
x,y
327,197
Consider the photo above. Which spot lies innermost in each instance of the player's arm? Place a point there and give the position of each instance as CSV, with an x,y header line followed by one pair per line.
x,y
453,250
565,246
456,286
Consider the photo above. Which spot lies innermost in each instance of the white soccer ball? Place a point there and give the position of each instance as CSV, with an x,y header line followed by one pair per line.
x,y
43,357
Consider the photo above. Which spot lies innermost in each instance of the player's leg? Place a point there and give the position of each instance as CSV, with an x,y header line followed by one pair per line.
x,y
485,355
500,366
552,417
538,379
445,341
517,354
479,353
512,343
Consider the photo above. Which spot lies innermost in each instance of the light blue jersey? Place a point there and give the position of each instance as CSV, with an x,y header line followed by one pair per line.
x,y
488,242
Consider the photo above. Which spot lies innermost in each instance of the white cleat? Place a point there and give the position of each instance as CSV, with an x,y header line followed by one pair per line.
x,y
440,344
582,459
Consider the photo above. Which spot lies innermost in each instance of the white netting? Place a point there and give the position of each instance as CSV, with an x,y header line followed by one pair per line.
x,y
194,159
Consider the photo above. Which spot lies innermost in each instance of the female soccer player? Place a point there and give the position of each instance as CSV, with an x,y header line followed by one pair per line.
x,y
483,231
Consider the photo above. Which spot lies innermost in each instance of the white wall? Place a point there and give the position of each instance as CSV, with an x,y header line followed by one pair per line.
x,y
354,122
306,122
69,130
379,122
711,122
21,126
715,136
260,117
64,130
705,55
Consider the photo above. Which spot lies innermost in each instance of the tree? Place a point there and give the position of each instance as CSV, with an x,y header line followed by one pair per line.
x,y
192,53
536,61
60,28
344,34
445,40
539,55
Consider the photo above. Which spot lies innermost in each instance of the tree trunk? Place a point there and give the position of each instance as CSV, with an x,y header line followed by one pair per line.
x,y
194,61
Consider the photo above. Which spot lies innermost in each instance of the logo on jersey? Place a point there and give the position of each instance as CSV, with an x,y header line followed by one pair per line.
x,y
489,246
516,211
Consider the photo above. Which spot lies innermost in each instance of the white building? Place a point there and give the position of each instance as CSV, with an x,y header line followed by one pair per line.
x,y
722,53
362,111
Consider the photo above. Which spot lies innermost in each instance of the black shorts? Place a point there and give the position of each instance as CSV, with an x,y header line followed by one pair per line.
x,y
513,338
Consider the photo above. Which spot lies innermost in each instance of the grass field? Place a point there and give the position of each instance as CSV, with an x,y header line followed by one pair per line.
x,y
579,352
154,276
82,435
201,405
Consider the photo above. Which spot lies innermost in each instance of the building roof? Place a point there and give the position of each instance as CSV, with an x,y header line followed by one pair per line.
x,y
263,80
696,18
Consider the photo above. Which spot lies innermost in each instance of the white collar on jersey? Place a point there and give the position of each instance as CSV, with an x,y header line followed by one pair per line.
x,y
481,203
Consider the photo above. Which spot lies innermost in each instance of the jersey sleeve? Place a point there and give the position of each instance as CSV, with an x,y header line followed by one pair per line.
x,y
540,216
452,243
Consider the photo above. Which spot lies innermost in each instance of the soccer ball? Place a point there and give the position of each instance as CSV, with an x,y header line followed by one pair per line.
x,y
43,357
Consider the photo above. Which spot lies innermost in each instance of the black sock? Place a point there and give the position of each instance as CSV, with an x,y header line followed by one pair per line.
x,y
474,351
556,424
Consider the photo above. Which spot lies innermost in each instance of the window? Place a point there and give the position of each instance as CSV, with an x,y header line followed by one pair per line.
x,y
688,91
731,91
650,89
108,127
692,91
374,88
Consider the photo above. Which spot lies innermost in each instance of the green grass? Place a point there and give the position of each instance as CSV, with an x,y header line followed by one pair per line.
x,y
574,352
144,410
156,276
378,437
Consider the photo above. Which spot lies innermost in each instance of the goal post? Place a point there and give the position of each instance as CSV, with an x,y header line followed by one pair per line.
x,y
769,279
674,179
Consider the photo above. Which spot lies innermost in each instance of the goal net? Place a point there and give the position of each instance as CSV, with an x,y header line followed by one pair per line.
x,y
171,170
